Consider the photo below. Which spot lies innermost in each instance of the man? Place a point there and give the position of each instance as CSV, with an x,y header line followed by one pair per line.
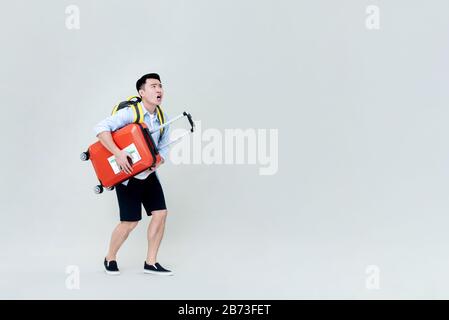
x,y
143,188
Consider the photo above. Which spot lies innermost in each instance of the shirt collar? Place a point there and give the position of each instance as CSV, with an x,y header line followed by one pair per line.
x,y
145,111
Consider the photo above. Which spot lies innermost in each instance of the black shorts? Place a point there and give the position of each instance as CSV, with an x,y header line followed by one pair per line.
x,y
137,192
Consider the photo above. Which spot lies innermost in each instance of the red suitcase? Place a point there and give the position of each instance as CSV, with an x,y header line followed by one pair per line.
x,y
137,140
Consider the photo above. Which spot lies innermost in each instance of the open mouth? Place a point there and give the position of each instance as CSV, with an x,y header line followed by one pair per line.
x,y
159,98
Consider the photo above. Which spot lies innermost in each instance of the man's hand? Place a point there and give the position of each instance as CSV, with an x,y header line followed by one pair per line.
x,y
124,161
153,168
121,156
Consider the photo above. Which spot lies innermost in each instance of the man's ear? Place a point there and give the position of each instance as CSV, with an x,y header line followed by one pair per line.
x,y
141,91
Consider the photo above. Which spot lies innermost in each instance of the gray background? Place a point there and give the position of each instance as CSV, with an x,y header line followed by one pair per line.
x,y
362,119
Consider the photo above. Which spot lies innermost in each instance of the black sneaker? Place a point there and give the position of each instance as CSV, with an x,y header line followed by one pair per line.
x,y
111,267
156,269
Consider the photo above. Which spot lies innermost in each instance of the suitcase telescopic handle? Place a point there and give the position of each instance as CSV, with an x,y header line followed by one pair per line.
x,y
189,117
184,114
192,128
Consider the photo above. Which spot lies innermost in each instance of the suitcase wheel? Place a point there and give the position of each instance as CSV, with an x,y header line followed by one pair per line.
x,y
84,156
110,188
98,189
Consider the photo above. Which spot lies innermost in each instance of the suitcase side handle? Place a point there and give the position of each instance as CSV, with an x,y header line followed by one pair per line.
x,y
150,142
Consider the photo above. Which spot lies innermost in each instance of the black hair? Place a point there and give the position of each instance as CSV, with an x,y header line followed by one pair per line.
x,y
140,83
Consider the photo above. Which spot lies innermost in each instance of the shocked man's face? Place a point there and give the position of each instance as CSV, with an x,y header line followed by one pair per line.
x,y
152,91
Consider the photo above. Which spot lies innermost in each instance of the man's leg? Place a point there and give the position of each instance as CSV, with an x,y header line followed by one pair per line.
x,y
155,233
119,235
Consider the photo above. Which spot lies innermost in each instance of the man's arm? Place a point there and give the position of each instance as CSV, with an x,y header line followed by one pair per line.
x,y
103,131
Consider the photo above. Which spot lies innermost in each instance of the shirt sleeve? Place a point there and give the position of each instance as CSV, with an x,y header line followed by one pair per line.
x,y
164,140
116,121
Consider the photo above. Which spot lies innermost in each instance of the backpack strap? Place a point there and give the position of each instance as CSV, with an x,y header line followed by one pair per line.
x,y
161,118
136,106
135,103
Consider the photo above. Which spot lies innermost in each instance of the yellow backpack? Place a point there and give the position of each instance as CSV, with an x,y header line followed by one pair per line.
x,y
135,103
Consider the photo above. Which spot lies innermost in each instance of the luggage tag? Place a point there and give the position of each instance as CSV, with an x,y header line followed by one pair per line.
x,y
133,153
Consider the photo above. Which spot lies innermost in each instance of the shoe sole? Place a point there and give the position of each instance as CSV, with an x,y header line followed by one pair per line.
x,y
112,273
158,272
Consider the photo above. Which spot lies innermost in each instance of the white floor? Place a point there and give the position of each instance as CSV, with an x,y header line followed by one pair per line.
x,y
324,273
